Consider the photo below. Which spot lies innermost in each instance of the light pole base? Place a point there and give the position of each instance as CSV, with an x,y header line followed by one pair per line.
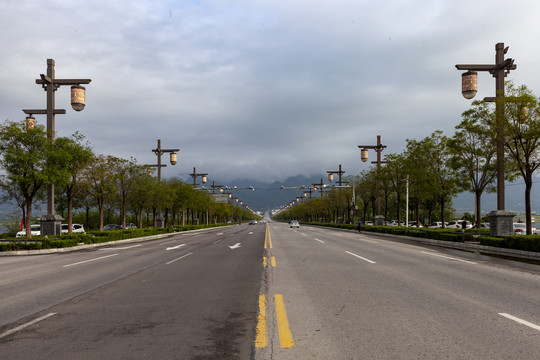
x,y
51,224
378,220
501,223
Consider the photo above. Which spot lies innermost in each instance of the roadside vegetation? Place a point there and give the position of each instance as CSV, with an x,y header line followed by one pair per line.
x,y
435,170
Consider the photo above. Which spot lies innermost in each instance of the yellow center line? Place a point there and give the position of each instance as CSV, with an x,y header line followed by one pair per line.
x,y
262,337
273,261
285,335
264,261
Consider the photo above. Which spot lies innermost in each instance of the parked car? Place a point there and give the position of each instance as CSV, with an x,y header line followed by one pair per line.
x,y
130,226
437,224
295,224
111,227
35,230
396,223
458,224
413,224
75,229
521,229
369,223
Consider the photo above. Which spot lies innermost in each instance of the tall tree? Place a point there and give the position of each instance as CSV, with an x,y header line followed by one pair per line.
x,y
475,154
25,156
522,125
99,176
73,157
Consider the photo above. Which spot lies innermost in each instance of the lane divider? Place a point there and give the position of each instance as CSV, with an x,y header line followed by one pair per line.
x,y
360,257
520,321
284,331
87,261
262,337
24,326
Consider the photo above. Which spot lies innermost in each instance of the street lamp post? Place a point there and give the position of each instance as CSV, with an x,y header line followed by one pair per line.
x,y
51,223
339,173
501,221
194,175
173,160
319,186
379,219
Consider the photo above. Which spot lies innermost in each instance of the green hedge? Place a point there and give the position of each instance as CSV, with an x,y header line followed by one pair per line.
x,y
516,242
92,237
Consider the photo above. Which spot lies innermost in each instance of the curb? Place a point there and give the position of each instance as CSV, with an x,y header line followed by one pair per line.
x,y
91,246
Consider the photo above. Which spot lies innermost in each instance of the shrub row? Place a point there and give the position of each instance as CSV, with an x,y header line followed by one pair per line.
x,y
92,237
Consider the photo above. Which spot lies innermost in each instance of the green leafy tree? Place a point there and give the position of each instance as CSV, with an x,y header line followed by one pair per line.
x,y
26,158
522,130
72,157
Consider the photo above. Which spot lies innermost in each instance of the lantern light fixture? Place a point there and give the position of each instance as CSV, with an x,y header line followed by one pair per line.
x,y
469,84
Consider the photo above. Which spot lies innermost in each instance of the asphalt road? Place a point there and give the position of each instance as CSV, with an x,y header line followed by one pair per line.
x,y
190,296
278,293
351,296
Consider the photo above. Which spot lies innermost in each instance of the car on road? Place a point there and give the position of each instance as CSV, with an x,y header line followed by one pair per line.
x,y
75,229
253,222
295,224
35,230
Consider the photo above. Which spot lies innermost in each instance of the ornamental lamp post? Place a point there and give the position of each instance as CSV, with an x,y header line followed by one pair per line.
x,y
500,220
51,223
379,219
173,160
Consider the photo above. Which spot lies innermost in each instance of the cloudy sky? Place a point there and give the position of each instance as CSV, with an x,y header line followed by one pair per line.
x,y
260,89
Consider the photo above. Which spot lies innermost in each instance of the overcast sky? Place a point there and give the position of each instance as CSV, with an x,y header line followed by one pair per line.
x,y
260,89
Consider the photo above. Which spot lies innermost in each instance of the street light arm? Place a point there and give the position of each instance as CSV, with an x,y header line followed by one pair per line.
x,y
47,80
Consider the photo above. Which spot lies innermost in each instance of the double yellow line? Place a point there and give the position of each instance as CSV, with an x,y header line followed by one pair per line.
x,y
284,330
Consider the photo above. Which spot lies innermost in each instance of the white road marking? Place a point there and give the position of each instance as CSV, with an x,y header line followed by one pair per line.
x,y
303,234
175,247
521,321
87,261
251,233
180,258
121,248
360,257
235,246
219,233
366,240
449,257
23,326
320,241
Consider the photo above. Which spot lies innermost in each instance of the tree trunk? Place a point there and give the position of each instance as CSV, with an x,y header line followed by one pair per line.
x,y
28,219
528,186
478,215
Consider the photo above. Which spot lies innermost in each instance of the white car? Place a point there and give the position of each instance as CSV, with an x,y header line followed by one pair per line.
x,y
295,224
396,223
35,230
458,224
437,224
76,229
521,229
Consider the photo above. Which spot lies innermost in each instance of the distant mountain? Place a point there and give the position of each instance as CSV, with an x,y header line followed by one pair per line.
x,y
270,195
